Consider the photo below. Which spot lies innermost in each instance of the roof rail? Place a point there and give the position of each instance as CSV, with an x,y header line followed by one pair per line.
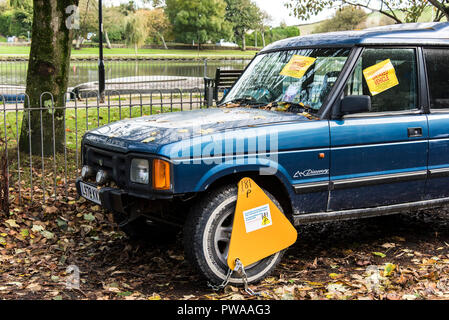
x,y
435,26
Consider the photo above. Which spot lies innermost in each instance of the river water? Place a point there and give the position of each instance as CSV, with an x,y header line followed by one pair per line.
x,y
14,72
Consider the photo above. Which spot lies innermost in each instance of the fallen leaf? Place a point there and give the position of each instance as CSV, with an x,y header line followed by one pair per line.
x,y
37,228
47,234
388,269
12,223
51,210
379,254
151,139
89,217
24,232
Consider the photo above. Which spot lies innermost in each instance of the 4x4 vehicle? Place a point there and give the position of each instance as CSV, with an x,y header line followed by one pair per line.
x,y
331,126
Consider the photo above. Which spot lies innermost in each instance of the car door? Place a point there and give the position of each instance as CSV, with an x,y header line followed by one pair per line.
x,y
380,157
437,61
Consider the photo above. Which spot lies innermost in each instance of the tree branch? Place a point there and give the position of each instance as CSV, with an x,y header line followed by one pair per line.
x,y
392,16
440,7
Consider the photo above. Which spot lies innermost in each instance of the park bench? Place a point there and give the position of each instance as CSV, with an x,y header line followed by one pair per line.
x,y
224,80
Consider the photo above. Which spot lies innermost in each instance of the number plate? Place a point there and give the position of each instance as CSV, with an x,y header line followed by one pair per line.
x,y
90,193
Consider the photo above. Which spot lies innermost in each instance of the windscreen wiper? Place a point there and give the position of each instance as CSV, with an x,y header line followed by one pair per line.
x,y
248,101
291,106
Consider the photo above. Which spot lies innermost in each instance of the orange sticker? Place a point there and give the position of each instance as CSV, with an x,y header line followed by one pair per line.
x,y
297,66
380,77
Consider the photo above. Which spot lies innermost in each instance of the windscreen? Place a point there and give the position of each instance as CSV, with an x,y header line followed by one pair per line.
x,y
302,77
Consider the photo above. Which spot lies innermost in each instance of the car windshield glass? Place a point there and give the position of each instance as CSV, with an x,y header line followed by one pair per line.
x,y
301,77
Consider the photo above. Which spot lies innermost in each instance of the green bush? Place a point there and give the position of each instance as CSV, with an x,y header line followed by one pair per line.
x,y
15,22
5,21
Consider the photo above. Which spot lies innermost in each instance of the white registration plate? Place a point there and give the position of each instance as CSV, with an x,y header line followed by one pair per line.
x,y
90,193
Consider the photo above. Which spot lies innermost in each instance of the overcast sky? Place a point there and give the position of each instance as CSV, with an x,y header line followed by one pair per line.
x,y
275,9
279,13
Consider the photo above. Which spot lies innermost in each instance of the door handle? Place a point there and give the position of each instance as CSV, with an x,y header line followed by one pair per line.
x,y
414,132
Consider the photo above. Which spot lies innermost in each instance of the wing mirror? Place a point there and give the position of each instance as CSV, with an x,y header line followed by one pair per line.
x,y
351,105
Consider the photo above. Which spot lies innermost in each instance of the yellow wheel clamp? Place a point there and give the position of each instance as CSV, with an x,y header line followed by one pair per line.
x,y
259,229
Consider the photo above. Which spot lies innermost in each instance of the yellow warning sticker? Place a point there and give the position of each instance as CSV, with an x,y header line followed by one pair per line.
x,y
266,221
297,66
380,77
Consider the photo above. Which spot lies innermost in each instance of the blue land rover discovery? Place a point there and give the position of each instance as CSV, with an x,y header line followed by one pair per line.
x,y
331,126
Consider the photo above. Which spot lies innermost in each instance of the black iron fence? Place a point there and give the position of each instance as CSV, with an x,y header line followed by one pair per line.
x,y
30,176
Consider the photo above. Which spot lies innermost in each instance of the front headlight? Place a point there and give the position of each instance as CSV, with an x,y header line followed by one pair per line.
x,y
140,171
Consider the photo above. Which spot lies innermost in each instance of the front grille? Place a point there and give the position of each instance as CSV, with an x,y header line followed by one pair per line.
x,y
112,162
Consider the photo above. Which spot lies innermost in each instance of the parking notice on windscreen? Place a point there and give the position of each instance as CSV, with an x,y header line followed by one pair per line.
x,y
257,218
380,77
297,66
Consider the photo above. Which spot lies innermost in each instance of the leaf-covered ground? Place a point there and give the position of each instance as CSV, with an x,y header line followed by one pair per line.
x,y
396,257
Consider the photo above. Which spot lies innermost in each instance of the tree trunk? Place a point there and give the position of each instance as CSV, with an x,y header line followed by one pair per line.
x,y
243,42
79,42
48,71
263,38
163,40
135,48
108,43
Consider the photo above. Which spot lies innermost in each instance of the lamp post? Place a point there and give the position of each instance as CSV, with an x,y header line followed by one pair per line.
x,y
101,75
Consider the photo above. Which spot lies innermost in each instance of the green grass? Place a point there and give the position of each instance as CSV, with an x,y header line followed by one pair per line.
x,y
24,50
2,39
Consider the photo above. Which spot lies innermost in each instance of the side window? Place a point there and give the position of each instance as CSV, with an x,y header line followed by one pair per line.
x,y
437,62
389,76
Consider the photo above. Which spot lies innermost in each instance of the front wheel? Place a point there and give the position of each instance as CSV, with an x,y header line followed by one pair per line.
x,y
207,234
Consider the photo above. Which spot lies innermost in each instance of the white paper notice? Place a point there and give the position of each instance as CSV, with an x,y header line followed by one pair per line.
x,y
257,218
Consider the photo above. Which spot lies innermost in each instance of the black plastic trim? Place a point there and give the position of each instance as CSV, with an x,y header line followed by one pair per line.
x,y
366,212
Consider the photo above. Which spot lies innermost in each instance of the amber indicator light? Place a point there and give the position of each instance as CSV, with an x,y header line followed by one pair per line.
x,y
161,175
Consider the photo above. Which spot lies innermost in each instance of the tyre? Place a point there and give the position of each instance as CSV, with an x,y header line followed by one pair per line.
x,y
207,234
143,229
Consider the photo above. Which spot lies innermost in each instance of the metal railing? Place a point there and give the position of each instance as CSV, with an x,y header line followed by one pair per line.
x,y
39,176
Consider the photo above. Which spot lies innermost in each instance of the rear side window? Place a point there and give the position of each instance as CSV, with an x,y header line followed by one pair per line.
x,y
389,76
437,62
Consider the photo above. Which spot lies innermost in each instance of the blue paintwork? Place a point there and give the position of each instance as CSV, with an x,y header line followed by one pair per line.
x,y
438,154
206,145
405,34
202,154
363,147
12,98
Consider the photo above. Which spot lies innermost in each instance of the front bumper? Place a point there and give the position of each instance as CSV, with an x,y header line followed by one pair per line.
x,y
126,207
112,199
